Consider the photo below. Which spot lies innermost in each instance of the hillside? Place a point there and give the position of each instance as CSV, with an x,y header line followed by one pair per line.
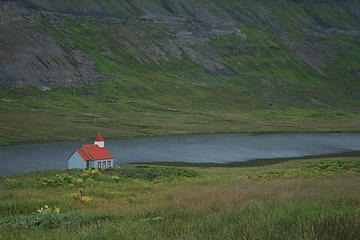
x,y
135,68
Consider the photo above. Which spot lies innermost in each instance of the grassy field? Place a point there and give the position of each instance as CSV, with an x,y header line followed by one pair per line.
x,y
314,198
32,119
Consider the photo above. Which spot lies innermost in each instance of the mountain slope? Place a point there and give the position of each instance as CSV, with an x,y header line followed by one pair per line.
x,y
236,62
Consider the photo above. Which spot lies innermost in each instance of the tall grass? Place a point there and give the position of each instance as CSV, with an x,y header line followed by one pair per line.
x,y
229,203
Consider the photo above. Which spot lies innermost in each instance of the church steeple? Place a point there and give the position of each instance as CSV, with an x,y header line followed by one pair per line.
x,y
99,140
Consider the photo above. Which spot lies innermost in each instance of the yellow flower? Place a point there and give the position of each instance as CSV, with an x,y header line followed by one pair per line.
x,y
86,199
56,210
115,178
48,209
75,195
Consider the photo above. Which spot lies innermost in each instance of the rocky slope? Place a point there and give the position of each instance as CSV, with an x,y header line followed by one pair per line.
x,y
184,55
38,49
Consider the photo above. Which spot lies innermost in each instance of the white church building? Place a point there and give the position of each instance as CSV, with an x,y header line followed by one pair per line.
x,y
92,156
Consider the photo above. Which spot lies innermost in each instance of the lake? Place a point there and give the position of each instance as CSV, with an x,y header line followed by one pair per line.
x,y
213,148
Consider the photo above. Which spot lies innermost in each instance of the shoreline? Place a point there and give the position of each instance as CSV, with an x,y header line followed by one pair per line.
x,y
250,163
261,162
186,134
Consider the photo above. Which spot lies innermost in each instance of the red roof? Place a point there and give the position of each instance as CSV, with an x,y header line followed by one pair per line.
x,y
99,138
94,152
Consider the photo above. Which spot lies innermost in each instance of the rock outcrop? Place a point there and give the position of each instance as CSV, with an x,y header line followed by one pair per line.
x,y
38,48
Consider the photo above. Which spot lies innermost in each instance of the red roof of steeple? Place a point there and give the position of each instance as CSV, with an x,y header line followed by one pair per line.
x,y
94,152
99,138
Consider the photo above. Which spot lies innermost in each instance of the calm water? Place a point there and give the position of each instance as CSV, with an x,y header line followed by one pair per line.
x,y
222,148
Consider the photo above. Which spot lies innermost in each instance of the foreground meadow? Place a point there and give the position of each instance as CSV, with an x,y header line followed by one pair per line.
x,y
315,198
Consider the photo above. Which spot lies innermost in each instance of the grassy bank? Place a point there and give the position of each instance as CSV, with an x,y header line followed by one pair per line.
x,y
315,198
23,121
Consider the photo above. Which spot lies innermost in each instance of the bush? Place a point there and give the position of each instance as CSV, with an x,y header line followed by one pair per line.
x,y
80,196
91,173
150,173
59,180
45,217
323,168
144,172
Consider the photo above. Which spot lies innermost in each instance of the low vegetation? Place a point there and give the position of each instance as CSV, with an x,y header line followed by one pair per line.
x,y
313,198
327,168
44,218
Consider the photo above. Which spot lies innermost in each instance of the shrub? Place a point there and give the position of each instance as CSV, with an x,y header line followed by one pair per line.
x,y
90,173
118,179
59,180
47,210
151,173
324,168
46,217
80,196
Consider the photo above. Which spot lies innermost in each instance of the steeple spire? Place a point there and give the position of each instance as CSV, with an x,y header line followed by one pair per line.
x,y
99,140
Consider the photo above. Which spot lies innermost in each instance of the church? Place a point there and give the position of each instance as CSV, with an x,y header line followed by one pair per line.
x,y
92,156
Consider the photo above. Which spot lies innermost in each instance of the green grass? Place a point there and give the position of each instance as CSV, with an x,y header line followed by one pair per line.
x,y
320,201
81,122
